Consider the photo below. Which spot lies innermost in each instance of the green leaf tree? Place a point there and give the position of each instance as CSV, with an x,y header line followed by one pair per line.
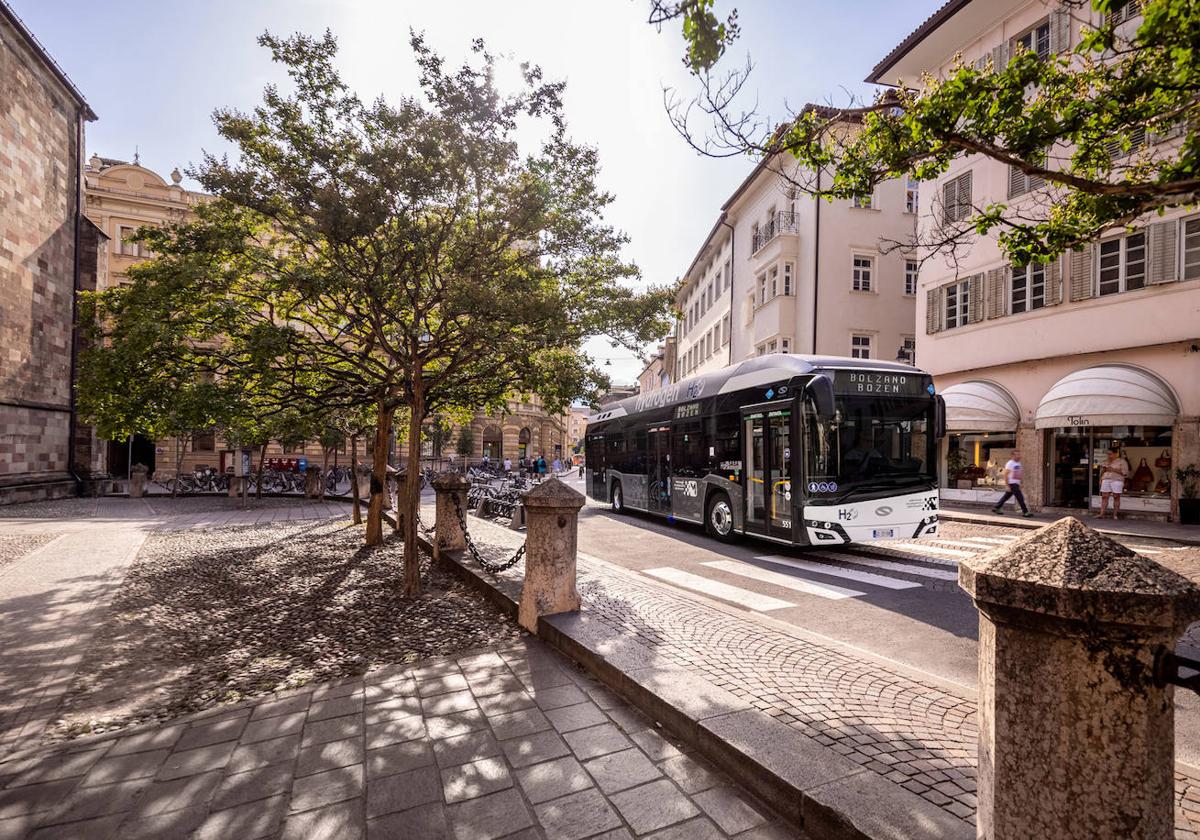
x,y
1110,128
410,256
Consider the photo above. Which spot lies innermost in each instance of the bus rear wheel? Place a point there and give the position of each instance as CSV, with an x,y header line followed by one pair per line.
x,y
617,498
719,520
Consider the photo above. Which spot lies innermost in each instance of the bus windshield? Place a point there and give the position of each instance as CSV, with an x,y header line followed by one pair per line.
x,y
872,441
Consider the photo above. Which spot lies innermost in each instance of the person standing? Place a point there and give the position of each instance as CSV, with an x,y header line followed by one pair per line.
x,y
541,466
1013,473
508,465
1113,473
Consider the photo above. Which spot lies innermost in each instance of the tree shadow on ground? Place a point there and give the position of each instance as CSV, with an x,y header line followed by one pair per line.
x,y
208,617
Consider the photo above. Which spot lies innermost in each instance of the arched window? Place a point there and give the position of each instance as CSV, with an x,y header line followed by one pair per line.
x,y
493,443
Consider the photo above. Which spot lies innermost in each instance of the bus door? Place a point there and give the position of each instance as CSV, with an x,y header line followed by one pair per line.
x,y
767,438
658,469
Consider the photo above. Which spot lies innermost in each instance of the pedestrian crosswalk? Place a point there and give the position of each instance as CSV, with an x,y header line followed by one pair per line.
x,y
717,589
798,584
773,582
840,572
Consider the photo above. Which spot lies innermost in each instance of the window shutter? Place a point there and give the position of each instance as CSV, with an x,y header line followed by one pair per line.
x,y
933,311
1054,282
1162,252
948,199
964,195
1060,31
1000,54
1081,272
995,288
975,298
1016,182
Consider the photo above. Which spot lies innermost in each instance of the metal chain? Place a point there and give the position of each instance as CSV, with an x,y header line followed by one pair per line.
x,y
488,565
427,531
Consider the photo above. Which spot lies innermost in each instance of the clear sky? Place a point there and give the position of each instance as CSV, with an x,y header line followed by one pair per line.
x,y
154,70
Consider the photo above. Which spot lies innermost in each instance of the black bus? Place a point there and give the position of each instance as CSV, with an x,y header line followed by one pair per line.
x,y
805,450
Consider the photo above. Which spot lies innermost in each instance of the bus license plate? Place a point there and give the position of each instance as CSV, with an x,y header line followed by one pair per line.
x,y
883,533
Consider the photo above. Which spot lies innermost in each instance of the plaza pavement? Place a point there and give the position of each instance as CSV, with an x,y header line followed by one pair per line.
x,y
511,742
52,598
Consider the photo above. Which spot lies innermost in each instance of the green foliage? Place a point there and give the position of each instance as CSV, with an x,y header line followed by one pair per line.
x,y
465,445
1059,119
1189,479
408,256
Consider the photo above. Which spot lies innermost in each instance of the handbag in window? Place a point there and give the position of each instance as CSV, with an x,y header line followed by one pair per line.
x,y
1163,461
1143,477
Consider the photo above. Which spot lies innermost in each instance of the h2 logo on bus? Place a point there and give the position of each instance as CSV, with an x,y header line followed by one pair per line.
x,y
822,487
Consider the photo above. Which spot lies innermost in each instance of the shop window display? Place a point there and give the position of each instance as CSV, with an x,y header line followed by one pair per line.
x,y
976,459
1080,452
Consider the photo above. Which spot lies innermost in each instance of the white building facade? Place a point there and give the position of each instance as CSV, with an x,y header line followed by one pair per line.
x,y
1064,359
782,272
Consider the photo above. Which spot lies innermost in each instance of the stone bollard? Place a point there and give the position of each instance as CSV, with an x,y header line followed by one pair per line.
x,y
235,485
137,481
449,534
1076,737
551,537
312,482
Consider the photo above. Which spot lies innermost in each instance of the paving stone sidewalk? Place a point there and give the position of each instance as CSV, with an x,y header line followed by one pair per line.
x,y
920,734
510,742
52,596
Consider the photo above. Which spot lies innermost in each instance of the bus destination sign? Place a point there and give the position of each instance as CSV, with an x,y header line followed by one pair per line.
x,y
686,410
885,383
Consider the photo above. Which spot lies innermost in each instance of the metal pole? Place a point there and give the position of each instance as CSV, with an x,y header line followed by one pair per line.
x,y
129,458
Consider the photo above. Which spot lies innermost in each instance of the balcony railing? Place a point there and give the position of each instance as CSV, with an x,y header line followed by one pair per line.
x,y
783,221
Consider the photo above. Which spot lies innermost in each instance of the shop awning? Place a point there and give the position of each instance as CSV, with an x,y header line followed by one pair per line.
x,y
1107,395
978,406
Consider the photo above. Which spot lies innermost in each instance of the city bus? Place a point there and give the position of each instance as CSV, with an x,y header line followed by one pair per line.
x,y
802,450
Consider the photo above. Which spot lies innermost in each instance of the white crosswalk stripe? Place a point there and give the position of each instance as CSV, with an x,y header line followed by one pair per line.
x,y
921,548
989,541
974,547
892,566
821,590
838,571
717,589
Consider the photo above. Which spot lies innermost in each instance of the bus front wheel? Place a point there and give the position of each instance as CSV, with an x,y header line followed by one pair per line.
x,y
719,521
617,498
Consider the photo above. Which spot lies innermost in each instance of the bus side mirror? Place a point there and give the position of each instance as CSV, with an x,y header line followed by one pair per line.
x,y
820,388
939,416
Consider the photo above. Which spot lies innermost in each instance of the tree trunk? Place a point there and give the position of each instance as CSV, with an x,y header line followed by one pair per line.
x,y
262,462
355,513
383,427
412,492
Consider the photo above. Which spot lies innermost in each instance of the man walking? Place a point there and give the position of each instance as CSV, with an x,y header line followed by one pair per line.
x,y
1013,472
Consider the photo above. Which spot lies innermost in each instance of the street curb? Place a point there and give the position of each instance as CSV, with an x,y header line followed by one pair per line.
x,y
820,790
1017,522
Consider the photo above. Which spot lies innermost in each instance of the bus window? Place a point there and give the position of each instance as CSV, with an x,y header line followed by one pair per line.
x,y
725,439
615,454
689,458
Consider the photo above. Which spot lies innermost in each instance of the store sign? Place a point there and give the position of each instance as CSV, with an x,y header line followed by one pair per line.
x,y
879,382
1078,420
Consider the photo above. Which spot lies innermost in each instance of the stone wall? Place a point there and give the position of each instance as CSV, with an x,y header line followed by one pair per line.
x,y
40,129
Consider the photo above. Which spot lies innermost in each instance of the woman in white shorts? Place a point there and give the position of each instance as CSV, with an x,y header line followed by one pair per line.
x,y
1113,473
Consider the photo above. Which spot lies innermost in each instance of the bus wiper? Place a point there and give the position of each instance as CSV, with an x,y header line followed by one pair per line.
x,y
880,483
